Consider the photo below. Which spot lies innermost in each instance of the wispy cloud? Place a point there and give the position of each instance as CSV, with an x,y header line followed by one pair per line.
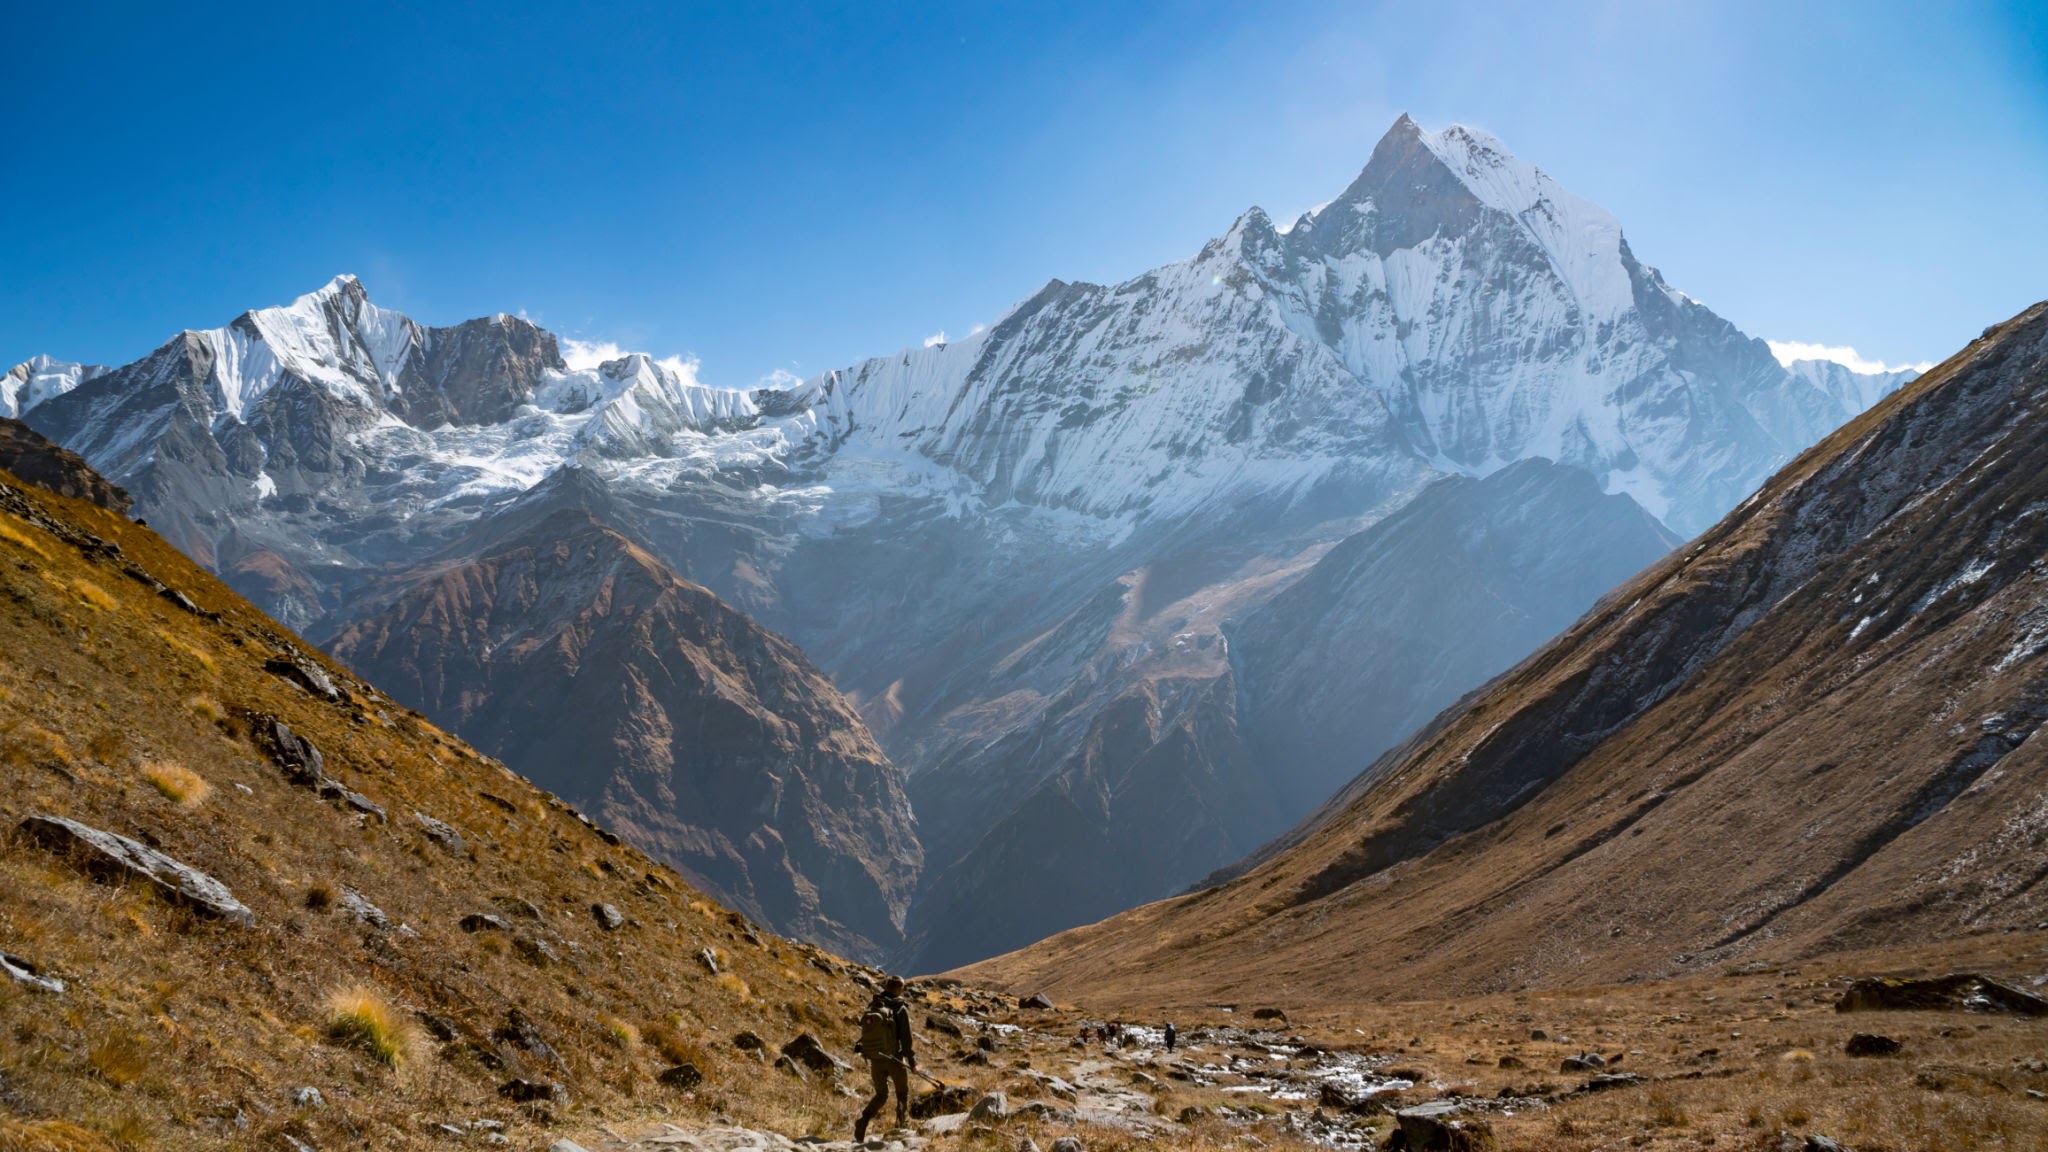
x,y
1788,351
584,354
935,339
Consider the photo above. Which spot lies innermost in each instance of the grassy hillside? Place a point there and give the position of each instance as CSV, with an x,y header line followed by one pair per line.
x,y
150,714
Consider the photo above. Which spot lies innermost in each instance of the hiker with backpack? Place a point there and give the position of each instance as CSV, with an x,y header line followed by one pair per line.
x,y
885,1044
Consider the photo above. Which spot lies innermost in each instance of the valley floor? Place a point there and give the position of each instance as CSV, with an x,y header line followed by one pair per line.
x,y
1750,1059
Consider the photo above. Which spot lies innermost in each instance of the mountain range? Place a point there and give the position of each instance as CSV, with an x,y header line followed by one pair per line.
x,y
1108,594
1809,731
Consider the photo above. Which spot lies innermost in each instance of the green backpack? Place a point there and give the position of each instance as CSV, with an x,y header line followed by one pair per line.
x,y
878,1031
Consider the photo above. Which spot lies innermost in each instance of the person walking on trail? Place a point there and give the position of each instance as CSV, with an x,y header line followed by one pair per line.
x,y
885,1044
1171,1035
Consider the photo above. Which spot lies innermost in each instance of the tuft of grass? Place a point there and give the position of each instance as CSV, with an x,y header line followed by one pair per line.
x,y
49,1135
20,539
192,652
360,1018
321,896
118,1059
620,1033
179,784
731,983
206,708
93,596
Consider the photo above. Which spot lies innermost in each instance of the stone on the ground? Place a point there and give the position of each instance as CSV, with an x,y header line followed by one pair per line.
x,y
523,1091
1036,1000
520,1029
118,857
1512,1062
1067,1144
1269,1014
942,1101
308,1097
23,972
609,918
748,1042
683,1076
1607,1080
441,833
792,1067
1583,1062
1871,1044
484,922
708,959
358,908
301,761
566,1146
994,1106
305,674
806,1050
1823,1144
1433,1128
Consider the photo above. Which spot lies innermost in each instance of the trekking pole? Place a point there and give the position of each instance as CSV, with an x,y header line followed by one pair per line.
x,y
913,1070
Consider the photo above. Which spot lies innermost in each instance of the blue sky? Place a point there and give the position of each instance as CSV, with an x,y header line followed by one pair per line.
x,y
771,186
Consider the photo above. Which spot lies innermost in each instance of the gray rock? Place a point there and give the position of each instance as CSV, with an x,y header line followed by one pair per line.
x,y
1871,1044
118,857
442,834
1067,1144
683,1076
305,674
484,922
608,917
520,1029
297,756
1039,1001
357,907
808,1051
708,959
785,1064
1610,1080
23,972
1583,1062
308,1097
566,1146
1434,1127
994,1106
1823,1144
523,1091
748,1042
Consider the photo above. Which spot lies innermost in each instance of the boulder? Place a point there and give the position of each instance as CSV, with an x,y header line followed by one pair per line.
x,y
941,1024
297,756
942,1101
117,857
748,1042
992,1107
1067,1144
308,1097
535,951
806,1050
484,922
1871,1044
442,834
1512,1062
357,907
1609,1080
521,1091
519,1029
708,959
23,972
684,1076
1036,1000
608,917
305,674
1583,1062
1269,1014
785,1064
1433,1127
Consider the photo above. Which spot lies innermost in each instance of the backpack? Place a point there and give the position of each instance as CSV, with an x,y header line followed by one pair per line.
x,y
878,1030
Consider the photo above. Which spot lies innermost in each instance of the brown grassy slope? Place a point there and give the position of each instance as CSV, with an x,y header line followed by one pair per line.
x,y
121,709
1716,764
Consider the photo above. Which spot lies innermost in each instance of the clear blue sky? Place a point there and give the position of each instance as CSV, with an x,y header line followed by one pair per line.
x,y
796,186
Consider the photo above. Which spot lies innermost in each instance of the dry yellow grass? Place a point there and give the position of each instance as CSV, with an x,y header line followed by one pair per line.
x,y
50,1136
20,536
179,784
360,1017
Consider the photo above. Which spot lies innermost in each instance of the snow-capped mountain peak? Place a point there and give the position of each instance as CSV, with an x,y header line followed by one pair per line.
x,y
39,378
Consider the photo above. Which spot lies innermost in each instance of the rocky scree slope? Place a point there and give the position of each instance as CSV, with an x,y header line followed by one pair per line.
x,y
519,968
1810,730
1015,548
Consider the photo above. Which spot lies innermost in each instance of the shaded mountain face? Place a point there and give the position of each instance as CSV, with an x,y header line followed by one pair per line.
x,y
1810,730
1006,548
601,675
36,460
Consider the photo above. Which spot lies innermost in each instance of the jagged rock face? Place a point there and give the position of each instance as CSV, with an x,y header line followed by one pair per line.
x,y
1810,730
1512,560
601,675
996,545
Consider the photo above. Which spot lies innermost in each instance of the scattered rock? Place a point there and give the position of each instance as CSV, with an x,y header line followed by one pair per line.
x,y
748,1042
684,1076
1067,1144
517,906
1538,1034
484,922
1269,1014
1037,1000
442,834
1583,1062
297,756
23,972
1432,1128
1966,990
608,918
521,1091
1512,1062
520,1029
294,1144
309,676
308,1097
1823,1144
357,907
806,1050
709,960
1871,1044
985,1043
994,1106
332,790
785,1064
439,1027
941,1024
118,857
535,951
1607,1080
566,1146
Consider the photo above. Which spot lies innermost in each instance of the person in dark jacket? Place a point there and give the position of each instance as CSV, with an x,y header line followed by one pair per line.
x,y
885,1044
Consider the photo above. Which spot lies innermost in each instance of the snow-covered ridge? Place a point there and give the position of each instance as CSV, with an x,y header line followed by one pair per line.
x,y
39,378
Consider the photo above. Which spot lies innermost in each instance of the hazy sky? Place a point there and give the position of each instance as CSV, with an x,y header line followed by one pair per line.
x,y
797,186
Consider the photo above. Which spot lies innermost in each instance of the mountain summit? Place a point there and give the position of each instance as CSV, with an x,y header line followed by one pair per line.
x,y
1022,554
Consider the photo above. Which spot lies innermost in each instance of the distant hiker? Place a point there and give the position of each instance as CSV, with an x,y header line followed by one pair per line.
x,y
1171,1035
885,1042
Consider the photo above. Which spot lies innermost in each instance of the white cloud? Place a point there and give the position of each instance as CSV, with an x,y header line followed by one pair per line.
x,y
935,339
1789,351
977,330
780,379
583,354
